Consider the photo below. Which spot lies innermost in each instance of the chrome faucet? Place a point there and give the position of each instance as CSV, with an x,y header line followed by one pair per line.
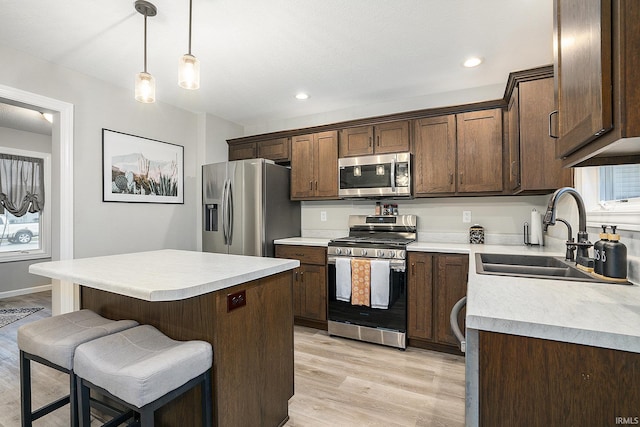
x,y
583,244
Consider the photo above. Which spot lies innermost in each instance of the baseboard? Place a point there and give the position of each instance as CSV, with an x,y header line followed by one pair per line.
x,y
25,291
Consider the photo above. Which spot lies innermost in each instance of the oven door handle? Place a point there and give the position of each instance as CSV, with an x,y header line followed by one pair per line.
x,y
395,267
453,319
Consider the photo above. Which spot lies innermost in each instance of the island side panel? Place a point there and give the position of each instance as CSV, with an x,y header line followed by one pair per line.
x,y
252,347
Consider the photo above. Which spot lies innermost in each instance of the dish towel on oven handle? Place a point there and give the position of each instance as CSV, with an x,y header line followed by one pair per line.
x,y
343,279
380,284
360,282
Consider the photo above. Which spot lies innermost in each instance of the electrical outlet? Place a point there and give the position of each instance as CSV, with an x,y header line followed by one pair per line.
x,y
323,215
466,216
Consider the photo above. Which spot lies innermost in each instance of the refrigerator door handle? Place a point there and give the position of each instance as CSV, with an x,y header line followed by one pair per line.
x,y
224,212
230,212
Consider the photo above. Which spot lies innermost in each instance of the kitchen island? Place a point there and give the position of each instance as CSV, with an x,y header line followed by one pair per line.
x,y
241,305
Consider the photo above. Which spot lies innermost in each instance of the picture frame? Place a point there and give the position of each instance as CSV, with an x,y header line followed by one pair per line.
x,y
136,169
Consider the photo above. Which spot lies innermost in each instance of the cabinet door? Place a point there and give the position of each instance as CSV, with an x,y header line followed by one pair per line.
x,y
277,150
480,151
450,284
420,296
391,137
356,141
435,155
313,282
582,65
242,151
302,170
326,165
540,169
513,116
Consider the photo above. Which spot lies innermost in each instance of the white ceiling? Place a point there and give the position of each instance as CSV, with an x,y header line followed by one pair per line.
x,y
256,55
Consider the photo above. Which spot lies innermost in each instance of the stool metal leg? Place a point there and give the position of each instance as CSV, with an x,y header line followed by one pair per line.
x,y
25,390
84,407
206,393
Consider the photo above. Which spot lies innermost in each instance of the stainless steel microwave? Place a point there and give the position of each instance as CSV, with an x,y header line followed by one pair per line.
x,y
384,175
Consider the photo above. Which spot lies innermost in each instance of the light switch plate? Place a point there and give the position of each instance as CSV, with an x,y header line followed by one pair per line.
x,y
323,215
466,216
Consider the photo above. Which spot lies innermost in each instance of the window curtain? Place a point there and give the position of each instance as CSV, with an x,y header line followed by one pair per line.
x,y
21,184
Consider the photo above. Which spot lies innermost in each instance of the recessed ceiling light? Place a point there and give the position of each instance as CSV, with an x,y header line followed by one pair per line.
x,y
474,61
302,95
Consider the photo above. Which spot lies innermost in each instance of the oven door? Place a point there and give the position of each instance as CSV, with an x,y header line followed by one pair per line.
x,y
375,176
393,318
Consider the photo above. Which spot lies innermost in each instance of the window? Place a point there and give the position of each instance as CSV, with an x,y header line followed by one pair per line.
x,y
27,236
620,182
611,195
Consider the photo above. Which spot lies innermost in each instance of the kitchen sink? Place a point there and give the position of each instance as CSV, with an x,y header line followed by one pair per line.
x,y
534,266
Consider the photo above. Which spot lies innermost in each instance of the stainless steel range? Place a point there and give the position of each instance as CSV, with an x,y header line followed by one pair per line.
x,y
377,244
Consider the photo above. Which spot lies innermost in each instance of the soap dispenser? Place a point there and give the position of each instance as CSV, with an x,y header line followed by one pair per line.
x,y
614,256
597,251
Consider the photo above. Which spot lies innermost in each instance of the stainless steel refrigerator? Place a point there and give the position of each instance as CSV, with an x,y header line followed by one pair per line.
x,y
246,207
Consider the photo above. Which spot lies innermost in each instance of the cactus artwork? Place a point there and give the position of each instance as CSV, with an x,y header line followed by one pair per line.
x,y
142,169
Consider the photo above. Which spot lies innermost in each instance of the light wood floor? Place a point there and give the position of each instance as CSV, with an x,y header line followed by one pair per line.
x,y
338,382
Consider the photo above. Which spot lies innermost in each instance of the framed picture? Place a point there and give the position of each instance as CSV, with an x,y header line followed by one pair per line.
x,y
143,170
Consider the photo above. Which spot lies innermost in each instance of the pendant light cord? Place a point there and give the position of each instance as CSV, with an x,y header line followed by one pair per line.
x,y
145,42
190,14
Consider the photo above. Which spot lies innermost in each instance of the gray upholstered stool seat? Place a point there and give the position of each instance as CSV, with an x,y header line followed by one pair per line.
x,y
52,342
143,369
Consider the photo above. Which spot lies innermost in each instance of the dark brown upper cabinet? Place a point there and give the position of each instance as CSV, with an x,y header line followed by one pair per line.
x,y
314,166
479,151
246,150
458,153
596,61
278,150
391,137
532,165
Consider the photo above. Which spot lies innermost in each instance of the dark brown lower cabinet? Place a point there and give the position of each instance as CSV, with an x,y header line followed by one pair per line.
x,y
535,382
435,283
309,284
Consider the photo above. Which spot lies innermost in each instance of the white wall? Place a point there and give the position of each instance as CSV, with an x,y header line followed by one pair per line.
x,y
15,275
107,228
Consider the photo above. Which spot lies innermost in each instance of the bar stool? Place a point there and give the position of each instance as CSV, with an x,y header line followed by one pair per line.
x,y
142,369
52,342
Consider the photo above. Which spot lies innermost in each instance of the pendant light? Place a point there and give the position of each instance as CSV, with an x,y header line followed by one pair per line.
x,y
145,82
189,66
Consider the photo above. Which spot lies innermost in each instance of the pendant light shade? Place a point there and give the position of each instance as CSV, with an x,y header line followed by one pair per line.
x,y
145,84
145,88
189,66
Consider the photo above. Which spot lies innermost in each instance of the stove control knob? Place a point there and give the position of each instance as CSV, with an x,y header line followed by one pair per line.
x,y
347,251
392,254
364,252
401,254
338,251
381,254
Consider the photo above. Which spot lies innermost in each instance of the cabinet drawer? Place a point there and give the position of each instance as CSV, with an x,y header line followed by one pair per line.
x,y
306,254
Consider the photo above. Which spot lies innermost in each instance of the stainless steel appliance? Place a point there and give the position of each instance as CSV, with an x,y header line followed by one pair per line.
x,y
384,175
383,237
246,207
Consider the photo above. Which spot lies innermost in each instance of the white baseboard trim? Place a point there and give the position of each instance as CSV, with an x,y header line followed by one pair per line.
x,y
25,291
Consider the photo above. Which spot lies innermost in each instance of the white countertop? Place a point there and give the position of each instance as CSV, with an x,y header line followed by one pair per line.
x,y
164,275
303,241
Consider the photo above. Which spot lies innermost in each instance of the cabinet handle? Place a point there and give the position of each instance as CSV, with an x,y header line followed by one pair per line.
x,y
378,142
302,276
316,185
461,178
296,277
413,268
450,179
310,185
370,141
550,131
